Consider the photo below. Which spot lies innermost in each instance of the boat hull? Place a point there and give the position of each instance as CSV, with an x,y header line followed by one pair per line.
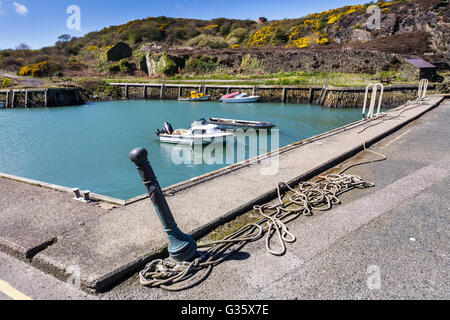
x,y
192,140
194,99
241,100
225,124
239,126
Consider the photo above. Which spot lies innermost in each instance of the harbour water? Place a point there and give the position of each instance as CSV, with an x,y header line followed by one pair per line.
x,y
88,146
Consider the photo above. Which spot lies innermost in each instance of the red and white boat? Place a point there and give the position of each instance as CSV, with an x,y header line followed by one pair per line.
x,y
238,97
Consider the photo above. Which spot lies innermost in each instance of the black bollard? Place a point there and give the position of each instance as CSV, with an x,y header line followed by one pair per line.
x,y
182,247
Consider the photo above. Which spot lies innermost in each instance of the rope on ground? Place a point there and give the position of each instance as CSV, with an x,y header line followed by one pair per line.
x,y
303,199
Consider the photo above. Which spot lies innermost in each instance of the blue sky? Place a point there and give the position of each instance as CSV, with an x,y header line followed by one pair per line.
x,y
38,23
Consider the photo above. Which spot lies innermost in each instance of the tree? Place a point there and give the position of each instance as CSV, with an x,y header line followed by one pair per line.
x,y
23,46
65,37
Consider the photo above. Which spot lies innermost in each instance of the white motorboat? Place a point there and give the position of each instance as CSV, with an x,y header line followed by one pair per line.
x,y
198,133
239,97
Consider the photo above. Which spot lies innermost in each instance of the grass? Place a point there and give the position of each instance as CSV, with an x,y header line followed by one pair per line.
x,y
334,79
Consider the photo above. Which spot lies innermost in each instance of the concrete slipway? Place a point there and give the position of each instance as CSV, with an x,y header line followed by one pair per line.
x,y
54,232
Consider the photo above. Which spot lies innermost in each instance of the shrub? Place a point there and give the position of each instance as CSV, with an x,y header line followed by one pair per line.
x,y
237,36
152,32
203,64
36,70
210,29
126,66
323,41
24,71
39,69
101,89
6,82
263,36
114,68
135,37
75,49
76,66
300,43
225,29
10,63
180,33
279,36
251,64
204,40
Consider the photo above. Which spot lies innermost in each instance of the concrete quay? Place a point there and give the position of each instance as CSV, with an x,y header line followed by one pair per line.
x,y
107,242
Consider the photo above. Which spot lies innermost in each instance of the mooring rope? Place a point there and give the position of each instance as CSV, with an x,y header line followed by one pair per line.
x,y
303,199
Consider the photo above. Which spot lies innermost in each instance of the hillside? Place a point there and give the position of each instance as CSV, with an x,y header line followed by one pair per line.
x,y
189,46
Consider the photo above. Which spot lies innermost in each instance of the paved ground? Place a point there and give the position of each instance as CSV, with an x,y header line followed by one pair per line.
x,y
387,242
33,283
23,81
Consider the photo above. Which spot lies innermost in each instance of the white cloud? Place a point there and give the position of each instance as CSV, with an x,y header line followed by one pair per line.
x,y
1,7
20,9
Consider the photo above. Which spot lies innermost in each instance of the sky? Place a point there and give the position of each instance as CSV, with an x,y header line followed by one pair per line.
x,y
38,23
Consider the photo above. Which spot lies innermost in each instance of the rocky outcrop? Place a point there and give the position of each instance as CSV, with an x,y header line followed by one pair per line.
x,y
160,63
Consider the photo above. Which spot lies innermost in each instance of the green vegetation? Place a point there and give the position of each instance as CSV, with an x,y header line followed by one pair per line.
x,y
6,82
251,65
100,89
206,40
202,65
336,79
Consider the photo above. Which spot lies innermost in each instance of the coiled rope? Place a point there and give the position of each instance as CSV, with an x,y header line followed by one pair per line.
x,y
304,199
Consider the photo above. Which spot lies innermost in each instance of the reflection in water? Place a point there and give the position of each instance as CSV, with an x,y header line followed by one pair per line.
x,y
243,145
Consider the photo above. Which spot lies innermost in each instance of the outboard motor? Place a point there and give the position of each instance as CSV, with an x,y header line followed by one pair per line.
x,y
168,128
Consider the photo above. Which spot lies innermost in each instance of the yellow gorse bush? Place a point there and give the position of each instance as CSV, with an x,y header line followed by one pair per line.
x,y
210,27
336,15
323,41
35,70
25,71
300,43
6,82
126,26
262,36
383,4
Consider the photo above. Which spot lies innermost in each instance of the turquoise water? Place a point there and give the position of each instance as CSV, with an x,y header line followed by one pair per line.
x,y
88,146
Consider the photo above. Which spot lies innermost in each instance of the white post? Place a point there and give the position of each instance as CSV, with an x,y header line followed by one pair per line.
x,y
381,100
423,88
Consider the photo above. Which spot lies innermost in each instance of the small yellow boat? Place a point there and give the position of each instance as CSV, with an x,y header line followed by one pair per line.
x,y
195,96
